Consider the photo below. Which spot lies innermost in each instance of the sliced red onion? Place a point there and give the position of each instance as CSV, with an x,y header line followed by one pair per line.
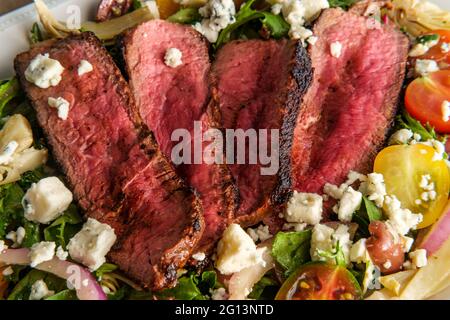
x,y
77,277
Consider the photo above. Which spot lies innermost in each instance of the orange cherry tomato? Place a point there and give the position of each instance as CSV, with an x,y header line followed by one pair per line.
x,y
425,97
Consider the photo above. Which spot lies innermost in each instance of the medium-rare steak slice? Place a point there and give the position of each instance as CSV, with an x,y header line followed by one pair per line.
x,y
351,104
175,98
113,164
260,85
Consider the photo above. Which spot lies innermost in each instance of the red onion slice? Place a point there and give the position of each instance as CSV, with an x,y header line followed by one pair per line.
x,y
77,277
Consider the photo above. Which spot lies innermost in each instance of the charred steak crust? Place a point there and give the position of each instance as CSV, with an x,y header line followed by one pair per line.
x,y
302,76
171,98
238,80
157,218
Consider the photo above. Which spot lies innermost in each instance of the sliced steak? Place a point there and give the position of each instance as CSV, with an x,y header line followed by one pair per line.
x,y
351,104
170,99
113,164
260,85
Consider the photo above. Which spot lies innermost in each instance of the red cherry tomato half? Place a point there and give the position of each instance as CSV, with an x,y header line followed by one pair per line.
x,y
425,97
320,281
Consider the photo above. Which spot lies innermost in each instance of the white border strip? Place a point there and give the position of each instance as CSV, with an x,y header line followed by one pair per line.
x,y
14,17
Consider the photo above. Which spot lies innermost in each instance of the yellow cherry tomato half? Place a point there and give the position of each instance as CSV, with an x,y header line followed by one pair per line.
x,y
403,167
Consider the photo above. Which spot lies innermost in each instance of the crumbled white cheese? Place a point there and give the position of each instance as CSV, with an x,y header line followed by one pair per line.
x,y
334,191
276,8
349,203
418,50
445,47
261,233
297,227
298,13
60,104
84,67
41,252
39,290
438,146
402,136
419,258
374,188
336,49
3,246
236,251
445,111
424,67
217,14
304,208
44,71
199,256
8,151
16,237
354,176
46,200
325,239
358,252
401,220
91,244
407,243
218,294
8,271
173,57
61,254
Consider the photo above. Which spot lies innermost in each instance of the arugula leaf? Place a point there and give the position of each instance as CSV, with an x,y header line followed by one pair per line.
x,y
427,38
265,289
365,215
192,287
105,268
64,228
344,4
30,177
35,34
406,121
11,211
291,249
276,26
64,295
185,16
137,4
22,289
8,91
337,254
372,212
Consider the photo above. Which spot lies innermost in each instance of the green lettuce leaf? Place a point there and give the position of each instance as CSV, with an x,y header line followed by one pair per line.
x,y
274,25
105,268
64,295
365,215
35,34
265,289
291,249
406,121
65,227
192,287
8,91
22,289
